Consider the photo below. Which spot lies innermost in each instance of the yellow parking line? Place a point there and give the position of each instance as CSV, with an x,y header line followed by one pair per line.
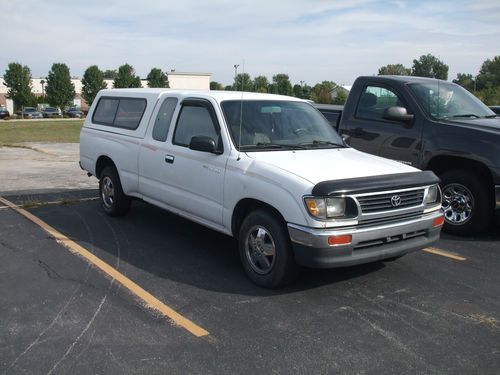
x,y
444,253
150,300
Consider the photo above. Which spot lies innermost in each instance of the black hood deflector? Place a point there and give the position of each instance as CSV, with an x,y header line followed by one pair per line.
x,y
375,183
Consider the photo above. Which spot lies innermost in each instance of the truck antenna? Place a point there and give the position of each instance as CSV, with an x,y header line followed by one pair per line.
x,y
241,107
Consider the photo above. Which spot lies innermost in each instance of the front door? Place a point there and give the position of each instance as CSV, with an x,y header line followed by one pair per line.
x,y
372,133
196,178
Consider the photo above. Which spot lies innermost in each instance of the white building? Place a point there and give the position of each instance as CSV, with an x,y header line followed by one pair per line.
x,y
177,80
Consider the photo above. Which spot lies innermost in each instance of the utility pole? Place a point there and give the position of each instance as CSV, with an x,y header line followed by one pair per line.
x,y
235,76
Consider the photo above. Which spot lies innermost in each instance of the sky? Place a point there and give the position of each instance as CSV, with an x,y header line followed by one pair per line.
x,y
310,40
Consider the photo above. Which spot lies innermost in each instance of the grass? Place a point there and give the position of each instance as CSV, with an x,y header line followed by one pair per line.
x,y
64,131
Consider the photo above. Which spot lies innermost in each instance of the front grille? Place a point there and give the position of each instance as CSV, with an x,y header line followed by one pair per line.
x,y
388,240
383,201
389,219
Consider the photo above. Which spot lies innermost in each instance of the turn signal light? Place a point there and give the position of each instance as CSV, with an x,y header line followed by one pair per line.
x,y
438,221
345,239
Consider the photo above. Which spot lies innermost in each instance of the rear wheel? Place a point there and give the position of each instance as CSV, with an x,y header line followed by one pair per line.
x,y
467,202
265,250
113,199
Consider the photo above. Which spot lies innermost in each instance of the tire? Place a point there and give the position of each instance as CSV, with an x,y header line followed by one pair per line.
x,y
262,231
113,201
467,202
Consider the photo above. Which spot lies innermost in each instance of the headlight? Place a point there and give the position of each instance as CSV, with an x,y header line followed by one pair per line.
x,y
325,208
433,195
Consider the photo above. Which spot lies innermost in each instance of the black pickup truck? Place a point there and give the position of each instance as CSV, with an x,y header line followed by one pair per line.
x,y
434,125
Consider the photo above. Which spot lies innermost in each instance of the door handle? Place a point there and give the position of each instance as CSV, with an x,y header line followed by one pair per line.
x,y
169,159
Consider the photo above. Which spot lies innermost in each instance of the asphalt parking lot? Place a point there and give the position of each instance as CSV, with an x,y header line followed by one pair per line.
x,y
425,313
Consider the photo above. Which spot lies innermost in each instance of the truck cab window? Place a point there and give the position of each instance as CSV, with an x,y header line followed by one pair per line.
x,y
163,119
194,121
374,101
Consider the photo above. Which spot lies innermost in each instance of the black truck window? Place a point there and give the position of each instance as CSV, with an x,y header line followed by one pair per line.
x,y
374,100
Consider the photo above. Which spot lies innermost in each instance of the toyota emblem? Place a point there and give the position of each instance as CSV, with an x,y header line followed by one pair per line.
x,y
395,200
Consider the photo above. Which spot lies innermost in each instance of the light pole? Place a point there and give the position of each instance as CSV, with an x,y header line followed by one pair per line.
x,y
235,76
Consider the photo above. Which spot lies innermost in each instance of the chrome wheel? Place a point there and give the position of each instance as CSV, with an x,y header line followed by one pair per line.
x,y
458,203
260,250
107,192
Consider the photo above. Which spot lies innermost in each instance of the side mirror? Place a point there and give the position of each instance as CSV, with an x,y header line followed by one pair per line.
x,y
397,114
203,143
346,138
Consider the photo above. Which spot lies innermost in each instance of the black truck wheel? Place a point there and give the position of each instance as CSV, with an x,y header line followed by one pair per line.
x,y
113,199
467,202
265,250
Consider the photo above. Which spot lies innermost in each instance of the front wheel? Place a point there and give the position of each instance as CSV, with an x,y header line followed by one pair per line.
x,y
467,202
265,250
113,199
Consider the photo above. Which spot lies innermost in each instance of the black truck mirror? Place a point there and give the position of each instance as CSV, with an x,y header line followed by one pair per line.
x,y
397,114
202,143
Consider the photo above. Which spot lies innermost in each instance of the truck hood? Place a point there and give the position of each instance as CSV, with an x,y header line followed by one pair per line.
x,y
487,124
330,164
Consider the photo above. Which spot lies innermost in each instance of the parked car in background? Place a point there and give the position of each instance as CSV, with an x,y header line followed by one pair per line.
x,y
74,112
496,109
434,125
51,112
4,113
29,112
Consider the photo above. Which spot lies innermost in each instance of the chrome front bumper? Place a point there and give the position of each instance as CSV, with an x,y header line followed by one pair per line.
x,y
369,243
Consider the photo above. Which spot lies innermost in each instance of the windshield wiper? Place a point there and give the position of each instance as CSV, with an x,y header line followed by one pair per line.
x,y
322,143
464,115
274,145
492,116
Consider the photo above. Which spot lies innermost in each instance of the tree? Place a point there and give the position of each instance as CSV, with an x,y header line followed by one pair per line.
x,y
126,77
322,92
302,91
60,90
394,70
429,66
281,84
467,81
306,92
156,78
340,98
260,84
214,85
489,95
489,74
17,78
228,88
110,74
92,83
297,90
243,82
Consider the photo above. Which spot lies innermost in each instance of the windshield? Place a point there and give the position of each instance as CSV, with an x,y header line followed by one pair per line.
x,y
50,109
441,100
278,125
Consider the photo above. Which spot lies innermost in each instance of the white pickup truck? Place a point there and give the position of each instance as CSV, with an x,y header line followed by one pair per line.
x,y
268,170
